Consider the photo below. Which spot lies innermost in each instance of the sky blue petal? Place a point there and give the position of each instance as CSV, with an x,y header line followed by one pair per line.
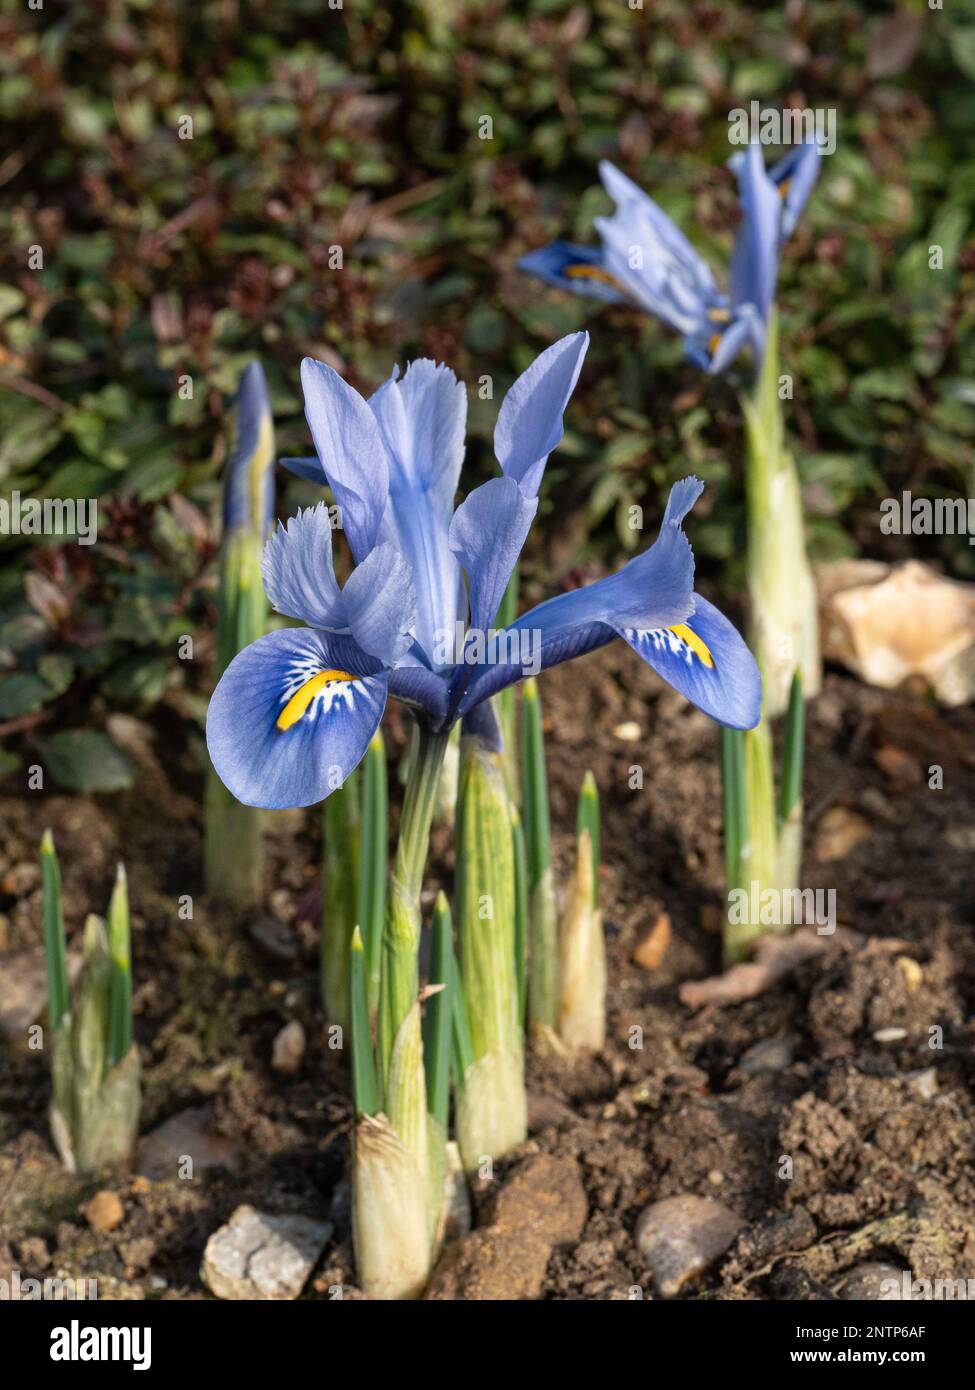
x,y
250,469
729,689
486,535
530,419
755,259
655,589
625,194
795,177
652,259
716,352
580,269
297,570
349,444
380,605
422,419
264,765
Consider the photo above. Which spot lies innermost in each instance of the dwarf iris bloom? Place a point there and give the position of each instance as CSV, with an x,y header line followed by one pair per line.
x,y
294,712
647,261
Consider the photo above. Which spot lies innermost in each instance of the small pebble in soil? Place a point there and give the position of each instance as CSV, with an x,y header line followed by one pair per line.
x,y
681,1237
840,832
274,938
629,731
104,1212
257,1256
651,949
912,973
288,1048
890,1035
924,1083
875,1282
769,1055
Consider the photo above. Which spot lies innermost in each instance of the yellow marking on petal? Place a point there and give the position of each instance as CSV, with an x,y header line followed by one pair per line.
x,y
698,647
714,343
719,315
784,188
303,696
591,272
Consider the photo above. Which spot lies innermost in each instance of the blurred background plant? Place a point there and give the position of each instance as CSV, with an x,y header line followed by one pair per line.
x,y
336,198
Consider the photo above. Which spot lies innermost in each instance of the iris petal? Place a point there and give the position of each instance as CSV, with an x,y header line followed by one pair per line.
x,y
349,444
795,177
297,570
530,419
755,259
421,419
380,605
581,269
272,759
486,535
653,590
706,659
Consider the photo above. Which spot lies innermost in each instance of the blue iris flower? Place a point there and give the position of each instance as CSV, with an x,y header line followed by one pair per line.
x,y
294,712
645,259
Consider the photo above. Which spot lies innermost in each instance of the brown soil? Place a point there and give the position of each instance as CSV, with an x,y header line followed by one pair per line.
x,y
881,1157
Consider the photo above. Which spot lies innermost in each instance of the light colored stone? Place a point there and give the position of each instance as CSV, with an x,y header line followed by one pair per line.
x,y
840,832
104,1212
256,1256
681,1237
651,949
288,1048
887,623
186,1135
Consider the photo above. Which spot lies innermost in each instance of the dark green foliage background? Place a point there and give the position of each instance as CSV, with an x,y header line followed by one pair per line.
x,y
358,127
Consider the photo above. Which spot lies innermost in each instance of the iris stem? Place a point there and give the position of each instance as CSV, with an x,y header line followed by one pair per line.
x,y
400,973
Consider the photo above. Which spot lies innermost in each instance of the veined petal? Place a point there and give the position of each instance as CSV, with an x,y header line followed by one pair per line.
x,y
380,605
298,573
667,235
795,177
581,269
292,715
755,259
486,534
656,589
349,444
706,659
652,259
421,419
248,498
530,419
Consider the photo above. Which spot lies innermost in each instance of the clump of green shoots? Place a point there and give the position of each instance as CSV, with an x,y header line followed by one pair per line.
x,y
95,1066
582,946
234,846
763,834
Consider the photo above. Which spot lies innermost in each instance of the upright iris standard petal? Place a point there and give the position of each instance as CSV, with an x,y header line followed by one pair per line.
x,y
530,419
486,535
581,269
653,590
380,605
421,419
755,259
351,451
292,715
249,493
297,568
707,660
795,177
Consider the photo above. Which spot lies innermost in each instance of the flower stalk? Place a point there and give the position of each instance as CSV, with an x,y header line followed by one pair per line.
x,y
341,845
